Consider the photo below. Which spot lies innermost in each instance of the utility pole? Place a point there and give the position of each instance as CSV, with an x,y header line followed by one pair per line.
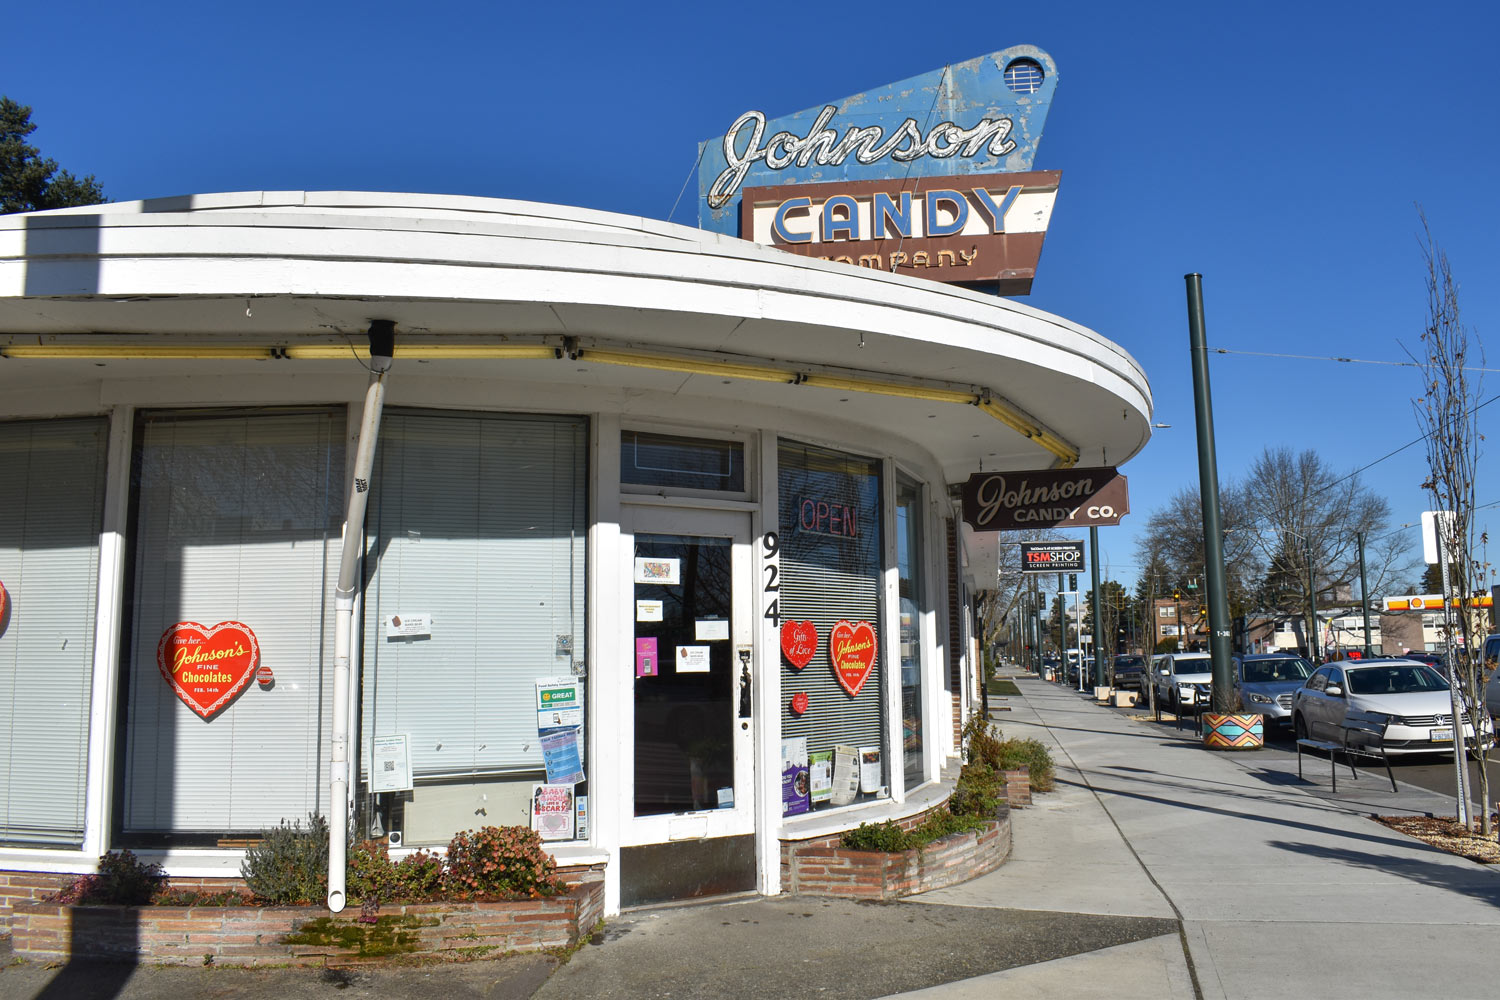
x,y
1364,593
1099,679
1312,601
1220,635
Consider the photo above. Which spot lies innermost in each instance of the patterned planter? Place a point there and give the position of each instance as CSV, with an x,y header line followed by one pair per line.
x,y
1233,732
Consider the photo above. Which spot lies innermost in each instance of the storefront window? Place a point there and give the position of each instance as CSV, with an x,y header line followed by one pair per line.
x,y
235,530
666,460
474,621
51,496
830,565
909,554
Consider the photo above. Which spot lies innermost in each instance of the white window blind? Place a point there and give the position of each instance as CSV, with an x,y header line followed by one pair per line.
x,y
51,496
237,518
828,575
479,521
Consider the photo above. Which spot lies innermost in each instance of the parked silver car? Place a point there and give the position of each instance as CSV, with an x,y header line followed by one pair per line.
x,y
1265,682
1413,694
1182,679
1491,663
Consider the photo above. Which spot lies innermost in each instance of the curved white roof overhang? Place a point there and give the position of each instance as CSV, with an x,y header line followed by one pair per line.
x,y
289,269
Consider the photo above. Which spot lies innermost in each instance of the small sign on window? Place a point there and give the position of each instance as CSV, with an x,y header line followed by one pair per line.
x,y
390,763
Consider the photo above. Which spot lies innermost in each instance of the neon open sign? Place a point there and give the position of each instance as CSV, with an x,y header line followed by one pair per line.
x,y
827,517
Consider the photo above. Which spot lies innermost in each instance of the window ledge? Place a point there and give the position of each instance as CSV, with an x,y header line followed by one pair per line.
x,y
576,856
823,824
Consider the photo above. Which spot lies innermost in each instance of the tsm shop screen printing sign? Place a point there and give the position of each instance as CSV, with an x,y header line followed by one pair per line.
x,y
930,176
1051,557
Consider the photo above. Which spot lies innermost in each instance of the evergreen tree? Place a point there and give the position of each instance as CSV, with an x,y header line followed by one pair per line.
x,y
29,183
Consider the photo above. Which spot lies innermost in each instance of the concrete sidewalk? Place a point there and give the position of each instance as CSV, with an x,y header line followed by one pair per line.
x,y
1281,888
1156,870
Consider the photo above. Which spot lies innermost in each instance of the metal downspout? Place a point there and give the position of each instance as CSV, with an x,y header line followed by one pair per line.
x,y
382,347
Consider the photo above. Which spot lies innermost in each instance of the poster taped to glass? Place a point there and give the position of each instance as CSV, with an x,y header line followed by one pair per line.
x,y
559,702
552,811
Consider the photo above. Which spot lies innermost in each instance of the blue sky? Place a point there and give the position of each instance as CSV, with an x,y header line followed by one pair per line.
x,y
1279,149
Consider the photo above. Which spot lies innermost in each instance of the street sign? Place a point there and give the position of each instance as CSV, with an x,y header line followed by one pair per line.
x,y
1431,519
1051,557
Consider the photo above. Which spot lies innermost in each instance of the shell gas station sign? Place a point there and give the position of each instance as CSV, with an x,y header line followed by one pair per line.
x,y
1434,602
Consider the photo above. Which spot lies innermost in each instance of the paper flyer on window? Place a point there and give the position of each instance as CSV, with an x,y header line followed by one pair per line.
x,y
552,811
562,753
869,769
390,764
559,702
845,774
796,783
820,776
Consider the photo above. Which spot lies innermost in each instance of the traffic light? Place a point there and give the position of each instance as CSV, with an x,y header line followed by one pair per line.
x,y
1176,595
1072,581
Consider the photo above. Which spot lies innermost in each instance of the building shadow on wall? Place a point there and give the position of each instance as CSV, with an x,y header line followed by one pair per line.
x,y
104,943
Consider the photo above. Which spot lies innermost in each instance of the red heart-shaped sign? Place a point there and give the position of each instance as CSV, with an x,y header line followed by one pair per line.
x,y
851,650
799,643
799,703
208,667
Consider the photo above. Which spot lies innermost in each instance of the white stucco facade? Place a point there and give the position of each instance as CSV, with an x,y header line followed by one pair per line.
x,y
260,301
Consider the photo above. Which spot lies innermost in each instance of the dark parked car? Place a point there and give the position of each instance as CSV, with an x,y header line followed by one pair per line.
x,y
1130,672
1434,660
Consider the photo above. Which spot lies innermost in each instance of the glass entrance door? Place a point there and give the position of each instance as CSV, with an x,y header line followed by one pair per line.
x,y
691,795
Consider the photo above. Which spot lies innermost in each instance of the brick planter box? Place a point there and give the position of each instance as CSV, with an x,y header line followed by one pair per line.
x,y
822,868
1018,787
275,935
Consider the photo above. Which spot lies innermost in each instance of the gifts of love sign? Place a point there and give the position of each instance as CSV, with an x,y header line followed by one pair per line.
x,y
799,643
851,649
208,667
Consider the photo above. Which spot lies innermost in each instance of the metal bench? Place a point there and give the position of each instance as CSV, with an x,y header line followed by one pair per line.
x,y
1360,734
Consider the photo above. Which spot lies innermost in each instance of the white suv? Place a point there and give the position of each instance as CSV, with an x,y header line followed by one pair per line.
x,y
1182,679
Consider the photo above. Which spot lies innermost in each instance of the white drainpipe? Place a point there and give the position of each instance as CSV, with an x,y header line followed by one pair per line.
x,y
382,346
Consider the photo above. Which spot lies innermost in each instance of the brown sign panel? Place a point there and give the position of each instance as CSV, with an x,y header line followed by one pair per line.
x,y
985,230
1046,498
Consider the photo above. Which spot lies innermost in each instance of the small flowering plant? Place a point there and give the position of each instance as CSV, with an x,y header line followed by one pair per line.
x,y
121,879
500,861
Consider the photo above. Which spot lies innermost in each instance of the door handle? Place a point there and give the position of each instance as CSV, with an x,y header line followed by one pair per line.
x,y
745,682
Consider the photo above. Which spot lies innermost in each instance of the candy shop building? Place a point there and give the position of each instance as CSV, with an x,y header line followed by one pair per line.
x,y
426,513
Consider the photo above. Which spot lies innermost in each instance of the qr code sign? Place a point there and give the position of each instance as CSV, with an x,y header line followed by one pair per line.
x,y
389,765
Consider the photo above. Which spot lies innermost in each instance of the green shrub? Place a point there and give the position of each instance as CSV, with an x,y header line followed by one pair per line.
x,y
1029,754
121,879
885,836
980,741
373,875
891,838
290,864
942,823
499,861
201,897
985,744
979,791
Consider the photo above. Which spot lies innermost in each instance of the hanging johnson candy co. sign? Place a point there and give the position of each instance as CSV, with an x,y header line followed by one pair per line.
x,y
931,175
1044,498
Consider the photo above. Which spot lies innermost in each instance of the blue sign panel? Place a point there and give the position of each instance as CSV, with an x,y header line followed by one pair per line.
x,y
983,116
